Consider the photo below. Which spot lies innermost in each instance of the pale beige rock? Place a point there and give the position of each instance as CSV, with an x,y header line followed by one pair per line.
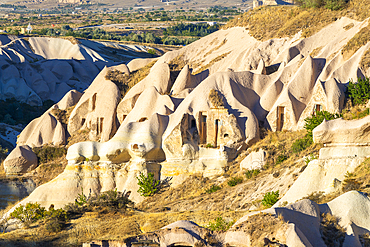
x,y
341,131
47,129
159,77
20,160
254,160
139,63
96,109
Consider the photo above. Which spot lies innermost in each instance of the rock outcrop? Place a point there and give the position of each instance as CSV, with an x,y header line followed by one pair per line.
x,y
21,160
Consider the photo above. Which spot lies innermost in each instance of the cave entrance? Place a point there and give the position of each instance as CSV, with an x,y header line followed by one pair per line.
x,y
203,128
217,123
280,118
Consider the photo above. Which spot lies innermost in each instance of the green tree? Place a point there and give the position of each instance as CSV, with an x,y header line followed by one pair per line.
x,y
359,92
148,186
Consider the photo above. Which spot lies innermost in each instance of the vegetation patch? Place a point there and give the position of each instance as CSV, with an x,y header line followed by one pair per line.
x,y
49,153
212,62
220,224
270,198
148,185
120,79
365,60
252,173
14,112
359,92
213,188
215,98
234,181
263,229
331,232
356,42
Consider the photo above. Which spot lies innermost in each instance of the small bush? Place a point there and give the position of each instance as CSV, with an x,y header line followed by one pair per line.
x,y
301,144
215,98
219,225
234,181
252,173
310,158
120,79
270,198
152,51
81,199
359,92
29,213
213,188
111,199
48,153
331,232
315,120
280,159
56,220
148,186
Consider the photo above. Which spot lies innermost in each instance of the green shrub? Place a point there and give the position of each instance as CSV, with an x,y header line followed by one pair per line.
x,y
315,120
56,220
111,200
280,159
310,158
359,92
213,188
301,144
152,51
29,213
48,153
234,181
148,186
81,199
252,173
270,198
219,225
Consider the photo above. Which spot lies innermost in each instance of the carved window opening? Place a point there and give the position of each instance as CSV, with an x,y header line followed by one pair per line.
x,y
217,123
101,124
226,135
135,146
193,124
124,117
280,118
83,121
203,128
93,102
317,108
143,119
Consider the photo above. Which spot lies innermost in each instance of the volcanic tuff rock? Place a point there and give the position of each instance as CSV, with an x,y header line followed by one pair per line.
x,y
169,125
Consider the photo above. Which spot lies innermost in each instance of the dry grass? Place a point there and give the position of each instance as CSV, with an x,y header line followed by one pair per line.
x,y
332,233
355,112
215,98
349,26
213,61
285,21
47,171
73,40
360,39
106,226
316,51
139,75
177,63
365,60
62,115
263,226
216,48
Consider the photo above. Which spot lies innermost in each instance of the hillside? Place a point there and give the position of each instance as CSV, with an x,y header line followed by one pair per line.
x,y
244,119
